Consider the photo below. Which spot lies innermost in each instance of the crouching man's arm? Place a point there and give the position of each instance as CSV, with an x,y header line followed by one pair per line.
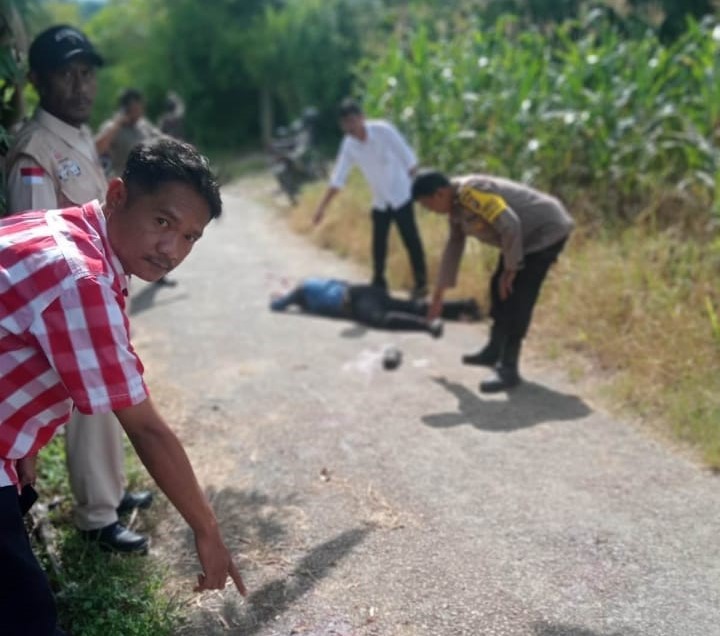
x,y
164,457
449,267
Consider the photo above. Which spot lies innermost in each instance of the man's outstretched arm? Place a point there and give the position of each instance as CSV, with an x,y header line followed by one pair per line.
x,y
329,195
163,455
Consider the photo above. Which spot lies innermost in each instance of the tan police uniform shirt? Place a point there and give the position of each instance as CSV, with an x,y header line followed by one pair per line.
x,y
510,215
52,164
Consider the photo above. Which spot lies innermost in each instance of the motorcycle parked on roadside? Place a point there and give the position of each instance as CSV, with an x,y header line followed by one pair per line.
x,y
295,158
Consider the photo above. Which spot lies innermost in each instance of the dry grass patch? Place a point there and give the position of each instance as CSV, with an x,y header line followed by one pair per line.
x,y
637,305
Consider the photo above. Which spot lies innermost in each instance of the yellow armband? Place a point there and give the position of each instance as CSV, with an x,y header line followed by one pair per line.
x,y
485,204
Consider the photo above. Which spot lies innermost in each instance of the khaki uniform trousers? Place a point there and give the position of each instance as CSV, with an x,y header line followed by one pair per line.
x,y
96,467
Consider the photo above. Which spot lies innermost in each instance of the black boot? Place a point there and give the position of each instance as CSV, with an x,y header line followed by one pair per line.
x,y
489,355
506,371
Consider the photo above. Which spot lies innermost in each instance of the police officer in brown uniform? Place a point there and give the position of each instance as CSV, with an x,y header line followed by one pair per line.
x,y
53,163
528,226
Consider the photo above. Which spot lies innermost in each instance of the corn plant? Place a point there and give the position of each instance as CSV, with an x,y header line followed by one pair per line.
x,y
581,108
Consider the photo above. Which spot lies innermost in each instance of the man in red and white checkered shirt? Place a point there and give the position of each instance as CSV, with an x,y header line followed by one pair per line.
x,y
53,163
64,342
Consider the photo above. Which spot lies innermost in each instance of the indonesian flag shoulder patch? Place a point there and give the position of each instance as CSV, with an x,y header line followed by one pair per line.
x,y
33,175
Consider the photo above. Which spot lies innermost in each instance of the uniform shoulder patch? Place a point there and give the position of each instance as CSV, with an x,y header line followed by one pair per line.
x,y
32,175
488,205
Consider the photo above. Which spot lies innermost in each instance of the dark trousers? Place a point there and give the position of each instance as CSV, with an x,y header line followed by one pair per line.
x,y
404,218
374,307
512,316
27,607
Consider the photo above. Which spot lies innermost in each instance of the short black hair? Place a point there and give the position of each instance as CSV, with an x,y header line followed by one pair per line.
x,y
154,163
428,182
349,106
128,96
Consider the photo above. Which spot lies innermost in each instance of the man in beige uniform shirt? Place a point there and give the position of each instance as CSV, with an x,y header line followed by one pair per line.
x,y
530,228
52,164
120,134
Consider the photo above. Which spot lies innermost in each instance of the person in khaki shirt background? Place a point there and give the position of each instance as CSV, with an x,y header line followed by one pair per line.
x,y
120,134
53,163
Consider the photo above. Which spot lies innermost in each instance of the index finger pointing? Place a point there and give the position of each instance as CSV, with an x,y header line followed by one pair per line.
x,y
237,579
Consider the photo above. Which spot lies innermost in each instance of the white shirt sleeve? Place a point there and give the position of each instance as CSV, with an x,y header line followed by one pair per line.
x,y
400,146
29,192
343,164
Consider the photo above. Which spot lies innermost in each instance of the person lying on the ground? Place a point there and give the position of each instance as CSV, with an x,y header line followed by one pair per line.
x,y
64,343
372,306
530,228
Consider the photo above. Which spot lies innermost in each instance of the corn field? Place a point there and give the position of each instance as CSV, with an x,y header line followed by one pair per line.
x,y
584,110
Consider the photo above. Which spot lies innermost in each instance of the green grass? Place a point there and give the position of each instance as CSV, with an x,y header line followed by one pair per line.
x,y
99,594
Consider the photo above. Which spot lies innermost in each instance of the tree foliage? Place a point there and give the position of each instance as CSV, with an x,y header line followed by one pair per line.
x,y
225,56
125,34
304,53
235,60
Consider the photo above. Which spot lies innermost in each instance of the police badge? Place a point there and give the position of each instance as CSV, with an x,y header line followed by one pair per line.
x,y
68,168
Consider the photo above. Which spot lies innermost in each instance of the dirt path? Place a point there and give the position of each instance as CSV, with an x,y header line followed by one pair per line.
x,y
365,502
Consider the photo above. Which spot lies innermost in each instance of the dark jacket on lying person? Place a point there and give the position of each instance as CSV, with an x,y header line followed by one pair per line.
x,y
371,306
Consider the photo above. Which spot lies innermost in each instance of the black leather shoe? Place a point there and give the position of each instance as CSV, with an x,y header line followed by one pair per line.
x,y
142,499
491,353
117,538
505,378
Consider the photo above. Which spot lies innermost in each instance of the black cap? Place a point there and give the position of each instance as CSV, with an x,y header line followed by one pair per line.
x,y
58,45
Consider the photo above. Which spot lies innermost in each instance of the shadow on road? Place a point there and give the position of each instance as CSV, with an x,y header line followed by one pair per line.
x,y
546,629
527,405
276,597
145,299
257,517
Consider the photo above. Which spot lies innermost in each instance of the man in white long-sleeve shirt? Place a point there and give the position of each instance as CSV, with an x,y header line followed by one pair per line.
x,y
388,164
